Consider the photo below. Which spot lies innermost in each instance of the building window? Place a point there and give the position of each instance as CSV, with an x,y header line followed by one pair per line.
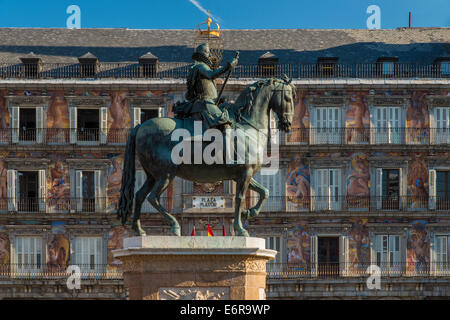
x,y
327,189
89,191
274,243
386,66
26,190
442,125
390,191
387,253
443,190
327,66
445,68
140,115
442,254
387,125
88,126
27,124
87,254
328,256
326,126
28,254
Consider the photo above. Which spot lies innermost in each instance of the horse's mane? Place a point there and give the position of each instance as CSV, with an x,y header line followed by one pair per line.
x,y
244,103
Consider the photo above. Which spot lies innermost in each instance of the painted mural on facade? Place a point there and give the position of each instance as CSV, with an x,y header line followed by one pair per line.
x,y
358,246
300,120
4,248
298,182
58,117
417,181
358,181
418,247
357,119
417,118
298,246
115,241
58,247
113,182
3,181
58,184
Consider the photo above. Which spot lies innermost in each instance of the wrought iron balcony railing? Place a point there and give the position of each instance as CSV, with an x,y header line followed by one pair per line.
x,y
164,70
306,136
52,272
273,204
339,270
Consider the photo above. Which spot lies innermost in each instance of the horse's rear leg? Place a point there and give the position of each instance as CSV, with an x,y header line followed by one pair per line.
x,y
140,197
263,196
158,189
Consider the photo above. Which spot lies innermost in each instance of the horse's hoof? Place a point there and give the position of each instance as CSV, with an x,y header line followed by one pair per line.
x,y
176,230
243,233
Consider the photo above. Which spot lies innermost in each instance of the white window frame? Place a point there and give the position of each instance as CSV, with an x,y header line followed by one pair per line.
x,y
137,113
15,124
324,130
440,125
99,189
386,127
440,251
103,126
276,242
384,253
84,248
28,255
324,192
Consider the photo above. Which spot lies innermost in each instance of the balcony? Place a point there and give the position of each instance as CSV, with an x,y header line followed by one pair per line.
x,y
352,270
167,70
49,272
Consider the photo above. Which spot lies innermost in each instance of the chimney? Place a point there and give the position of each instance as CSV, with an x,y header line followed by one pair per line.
x,y
410,19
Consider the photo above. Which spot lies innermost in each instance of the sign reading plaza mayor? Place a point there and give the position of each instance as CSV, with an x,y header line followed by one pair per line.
x,y
208,202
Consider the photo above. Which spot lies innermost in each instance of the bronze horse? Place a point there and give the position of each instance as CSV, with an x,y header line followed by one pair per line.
x,y
152,141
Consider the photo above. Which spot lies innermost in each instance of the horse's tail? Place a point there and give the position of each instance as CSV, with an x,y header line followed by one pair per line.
x,y
128,178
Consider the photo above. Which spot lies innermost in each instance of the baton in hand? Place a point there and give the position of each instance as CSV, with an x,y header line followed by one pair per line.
x,y
226,79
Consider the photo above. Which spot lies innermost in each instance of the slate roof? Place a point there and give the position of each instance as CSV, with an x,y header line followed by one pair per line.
x,y
418,45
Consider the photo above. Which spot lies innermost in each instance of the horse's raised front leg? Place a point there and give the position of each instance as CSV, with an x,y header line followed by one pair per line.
x,y
241,189
263,196
159,187
140,197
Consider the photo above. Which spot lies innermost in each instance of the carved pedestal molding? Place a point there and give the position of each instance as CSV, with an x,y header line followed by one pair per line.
x,y
167,267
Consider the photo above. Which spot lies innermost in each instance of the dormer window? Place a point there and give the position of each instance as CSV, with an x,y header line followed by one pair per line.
x,y
386,66
327,66
88,65
443,66
267,65
31,65
148,65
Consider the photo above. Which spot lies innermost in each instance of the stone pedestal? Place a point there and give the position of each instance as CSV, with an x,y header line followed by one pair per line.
x,y
194,268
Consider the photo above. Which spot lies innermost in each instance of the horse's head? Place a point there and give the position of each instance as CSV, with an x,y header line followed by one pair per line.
x,y
282,102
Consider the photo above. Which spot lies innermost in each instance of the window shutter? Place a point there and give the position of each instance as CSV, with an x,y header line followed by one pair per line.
x,y
42,191
73,124
161,112
98,190
136,116
314,256
379,188
14,124
39,124
103,124
312,125
432,189
394,253
343,247
12,190
79,190
98,254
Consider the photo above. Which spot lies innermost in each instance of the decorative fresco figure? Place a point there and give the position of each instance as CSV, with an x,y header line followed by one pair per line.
x,y
298,182
57,119
57,252
115,241
418,181
114,180
4,119
357,119
358,182
119,116
359,246
418,248
59,192
416,118
3,181
4,252
299,248
300,113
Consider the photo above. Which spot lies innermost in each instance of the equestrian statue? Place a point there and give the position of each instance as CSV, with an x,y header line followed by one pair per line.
x,y
153,142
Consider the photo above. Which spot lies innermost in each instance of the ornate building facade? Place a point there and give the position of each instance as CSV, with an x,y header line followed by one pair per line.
x,y
364,176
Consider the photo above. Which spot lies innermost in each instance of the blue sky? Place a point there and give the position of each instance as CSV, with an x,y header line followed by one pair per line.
x,y
233,14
